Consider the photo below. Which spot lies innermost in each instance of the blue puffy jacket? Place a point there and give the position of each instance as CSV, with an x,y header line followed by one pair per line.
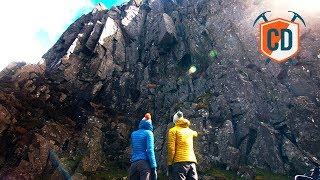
x,y
143,144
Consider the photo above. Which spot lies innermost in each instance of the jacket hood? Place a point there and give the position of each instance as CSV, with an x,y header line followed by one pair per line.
x,y
183,123
145,124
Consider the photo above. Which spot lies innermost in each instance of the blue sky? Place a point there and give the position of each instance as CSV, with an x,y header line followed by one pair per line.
x,y
30,28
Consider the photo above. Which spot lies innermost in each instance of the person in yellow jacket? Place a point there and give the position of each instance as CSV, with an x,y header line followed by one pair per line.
x,y
181,158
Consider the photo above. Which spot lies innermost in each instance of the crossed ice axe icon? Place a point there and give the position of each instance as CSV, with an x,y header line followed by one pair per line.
x,y
263,16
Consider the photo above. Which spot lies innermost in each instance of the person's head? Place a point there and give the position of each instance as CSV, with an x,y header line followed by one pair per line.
x,y
146,122
147,116
177,116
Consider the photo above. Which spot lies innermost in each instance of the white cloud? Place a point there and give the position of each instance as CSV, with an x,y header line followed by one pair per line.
x,y
21,21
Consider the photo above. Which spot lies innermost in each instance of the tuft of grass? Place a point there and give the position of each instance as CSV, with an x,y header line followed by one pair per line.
x,y
203,101
267,175
202,106
221,174
109,171
203,98
70,164
162,176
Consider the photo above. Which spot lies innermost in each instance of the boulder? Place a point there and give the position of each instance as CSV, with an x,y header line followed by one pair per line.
x,y
93,138
167,31
266,154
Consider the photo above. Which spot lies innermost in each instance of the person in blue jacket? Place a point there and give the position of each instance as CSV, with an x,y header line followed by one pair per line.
x,y
143,160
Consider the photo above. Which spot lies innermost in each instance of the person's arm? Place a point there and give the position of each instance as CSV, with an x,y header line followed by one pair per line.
x,y
171,146
195,134
150,150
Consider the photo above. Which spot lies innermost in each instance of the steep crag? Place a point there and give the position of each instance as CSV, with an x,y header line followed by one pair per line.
x,y
111,66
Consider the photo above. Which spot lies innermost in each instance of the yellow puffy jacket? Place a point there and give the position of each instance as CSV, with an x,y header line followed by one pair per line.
x,y
180,143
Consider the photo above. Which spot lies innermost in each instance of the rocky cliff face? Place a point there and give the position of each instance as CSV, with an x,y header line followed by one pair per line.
x,y
111,66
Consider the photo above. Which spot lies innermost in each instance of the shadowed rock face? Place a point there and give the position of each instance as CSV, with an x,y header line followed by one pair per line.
x,y
110,67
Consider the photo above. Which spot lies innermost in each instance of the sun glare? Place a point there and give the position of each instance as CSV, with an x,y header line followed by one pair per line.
x,y
307,7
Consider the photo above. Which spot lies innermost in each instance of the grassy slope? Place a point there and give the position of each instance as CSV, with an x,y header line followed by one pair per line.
x,y
114,173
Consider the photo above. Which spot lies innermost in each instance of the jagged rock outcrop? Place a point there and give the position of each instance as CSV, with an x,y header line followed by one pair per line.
x,y
111,66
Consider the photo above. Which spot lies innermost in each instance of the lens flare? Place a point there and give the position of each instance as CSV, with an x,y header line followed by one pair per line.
x,y
192,70
213,53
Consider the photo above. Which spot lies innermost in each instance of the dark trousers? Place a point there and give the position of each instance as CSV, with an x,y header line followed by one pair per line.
x,y
139,170
184,171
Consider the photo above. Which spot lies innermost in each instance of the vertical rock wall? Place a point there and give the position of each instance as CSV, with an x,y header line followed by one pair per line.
x,y
114,65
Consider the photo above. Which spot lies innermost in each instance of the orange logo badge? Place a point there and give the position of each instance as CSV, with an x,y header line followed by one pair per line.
x,y
279,38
